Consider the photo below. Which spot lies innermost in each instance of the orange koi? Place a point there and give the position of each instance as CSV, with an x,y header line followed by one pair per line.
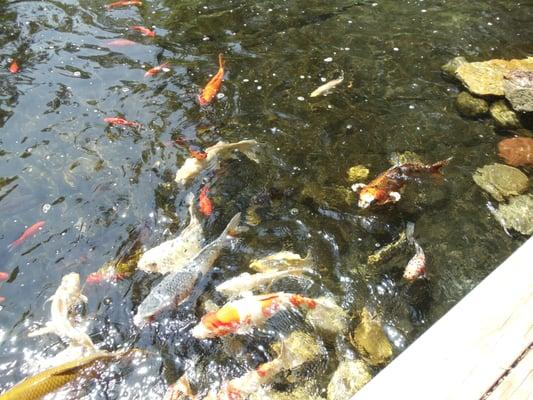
x,y
14,67
152,71
120,42
197,153
143,30
121,121
213,86
124,3
3,276
27,233
239,316
386,187
206,207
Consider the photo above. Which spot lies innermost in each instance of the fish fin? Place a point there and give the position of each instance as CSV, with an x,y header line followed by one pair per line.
x,y
356,187
409,232
232,225
221,61
395,196
250,148
189,200
43,331
83,298
436,167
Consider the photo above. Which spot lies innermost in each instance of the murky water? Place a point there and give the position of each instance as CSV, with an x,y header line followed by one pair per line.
x,y
110,189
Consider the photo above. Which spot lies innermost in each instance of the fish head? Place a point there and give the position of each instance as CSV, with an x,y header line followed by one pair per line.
x,y
366,198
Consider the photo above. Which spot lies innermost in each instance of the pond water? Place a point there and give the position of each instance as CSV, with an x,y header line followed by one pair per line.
x,y
106,191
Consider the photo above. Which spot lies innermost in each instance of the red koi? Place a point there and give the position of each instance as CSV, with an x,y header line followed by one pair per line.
x,y
124,3
27,233
3,276
121,121
120,42
213,86
206,207
143,30
152,71
14,67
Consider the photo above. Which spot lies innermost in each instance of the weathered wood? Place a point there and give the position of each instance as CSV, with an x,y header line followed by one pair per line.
x,y
470,348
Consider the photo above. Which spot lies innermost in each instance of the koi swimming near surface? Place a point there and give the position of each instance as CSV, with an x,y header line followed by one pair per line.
x,y
26,234
213,86
14,67
143,30
416,267
155,70
120,42
121,121
386,187
327,87
124,3
204,202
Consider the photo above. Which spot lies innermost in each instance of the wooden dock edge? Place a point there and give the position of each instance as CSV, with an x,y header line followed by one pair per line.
x,y
480,349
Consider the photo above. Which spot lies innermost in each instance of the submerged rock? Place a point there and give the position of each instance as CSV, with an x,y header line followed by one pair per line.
x,y
471,106
299,348
397,158
517,214
487,78
504,116
501,181
516,151
518,89
450,68
330,321
348,379
357,173
370,340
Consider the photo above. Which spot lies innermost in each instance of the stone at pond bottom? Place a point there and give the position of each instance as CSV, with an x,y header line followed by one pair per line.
x,y
450,68
518,88
370,340
501,181
486,78
305,392
330,321
348,379
517,214
516,151
357,173
397,158
504,116
471,106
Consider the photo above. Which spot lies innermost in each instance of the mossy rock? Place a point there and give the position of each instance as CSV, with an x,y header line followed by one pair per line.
x,y
471,106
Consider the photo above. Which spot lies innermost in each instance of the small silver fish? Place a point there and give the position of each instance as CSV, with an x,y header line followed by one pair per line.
x,y
326,87
177,286
416,267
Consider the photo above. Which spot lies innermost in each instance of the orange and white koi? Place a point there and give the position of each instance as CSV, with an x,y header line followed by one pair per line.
x,y
204,202
386,187
155,70
26,234
120,42
121,121
240,316
124,3
416,267
14,67
213,86
143,30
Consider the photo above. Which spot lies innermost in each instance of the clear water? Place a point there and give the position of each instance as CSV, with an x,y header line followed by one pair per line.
x,y
111,189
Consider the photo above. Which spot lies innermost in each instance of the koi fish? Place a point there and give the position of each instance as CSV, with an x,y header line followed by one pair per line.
x,y
213,86
4,276
240,316
120,42
204,202
152,71
14,67
326,87
120,268
197,153
106,273
143,30
121,121
174,254
281,261
246,282
176,287
416,267
193,166
27,233
386,187
67,295
124,3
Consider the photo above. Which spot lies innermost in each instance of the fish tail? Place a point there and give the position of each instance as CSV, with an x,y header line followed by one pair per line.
x,y
250,148
221,61
436,167
232,226
42,331
409,232
13,245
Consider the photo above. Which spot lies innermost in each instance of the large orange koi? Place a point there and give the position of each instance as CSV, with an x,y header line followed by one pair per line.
x,y
213,86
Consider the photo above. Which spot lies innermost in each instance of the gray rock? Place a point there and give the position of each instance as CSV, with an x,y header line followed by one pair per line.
x,y
517,214
471,106
450,68
504,116
518,88
349,378
501,181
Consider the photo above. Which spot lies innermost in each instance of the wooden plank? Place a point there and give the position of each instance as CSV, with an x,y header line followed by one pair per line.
x,y
518,383
464,354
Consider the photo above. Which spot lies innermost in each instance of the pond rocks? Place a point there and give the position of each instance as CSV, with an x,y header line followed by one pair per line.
x,y
471,106
518,89
517,151
501,181
486,78
370,340
348,379
517,214
330,321
450,68
397,158
357,173
504,116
